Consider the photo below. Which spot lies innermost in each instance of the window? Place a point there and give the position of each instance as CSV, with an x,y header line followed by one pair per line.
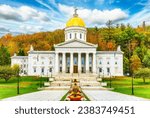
x,y
108,62
82,61
116,63
80,36
68,61
100,70
24,65
50,69
75,35
60,69
34,70
108,70
42,70
42,62
50,62
90,60
70,36
90,68
25,72
75,60
100,62
21,71
60,61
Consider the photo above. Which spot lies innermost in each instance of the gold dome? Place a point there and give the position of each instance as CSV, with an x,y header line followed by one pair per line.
x,y
75,21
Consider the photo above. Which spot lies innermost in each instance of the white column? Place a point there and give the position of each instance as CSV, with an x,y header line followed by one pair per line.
x,y
87,62
71,62
64,63
94,62
56,63
79,62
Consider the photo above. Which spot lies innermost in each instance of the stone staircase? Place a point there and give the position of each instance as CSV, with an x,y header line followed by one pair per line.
x,y
63,82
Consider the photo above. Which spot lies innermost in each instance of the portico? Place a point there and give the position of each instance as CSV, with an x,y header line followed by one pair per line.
x,y
75,62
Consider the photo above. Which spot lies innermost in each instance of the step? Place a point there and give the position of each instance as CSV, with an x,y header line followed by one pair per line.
x,y
55,88
95,88
61,83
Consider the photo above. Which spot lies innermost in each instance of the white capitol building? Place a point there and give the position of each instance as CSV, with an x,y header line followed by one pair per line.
x,y
75,55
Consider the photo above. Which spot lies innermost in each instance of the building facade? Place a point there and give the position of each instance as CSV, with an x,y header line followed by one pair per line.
x,y
75,55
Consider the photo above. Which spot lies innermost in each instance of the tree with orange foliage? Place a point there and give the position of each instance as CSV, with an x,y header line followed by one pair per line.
x,y
135,63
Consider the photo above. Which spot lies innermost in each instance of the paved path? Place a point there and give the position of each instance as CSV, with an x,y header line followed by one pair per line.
x,y
56,95
46,95
105,95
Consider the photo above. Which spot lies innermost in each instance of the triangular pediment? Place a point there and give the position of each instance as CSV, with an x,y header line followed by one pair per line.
x,y
75,43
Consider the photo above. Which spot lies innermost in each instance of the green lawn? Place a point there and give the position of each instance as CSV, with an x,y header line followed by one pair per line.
x,y
27,85
123,85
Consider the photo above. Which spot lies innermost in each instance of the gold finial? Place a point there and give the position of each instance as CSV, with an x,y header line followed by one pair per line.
x,y
75,12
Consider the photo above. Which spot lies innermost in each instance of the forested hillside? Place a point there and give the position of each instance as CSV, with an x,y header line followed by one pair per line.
x,y
135,43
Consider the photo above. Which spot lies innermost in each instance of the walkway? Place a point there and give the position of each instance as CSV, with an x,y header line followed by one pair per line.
x,y
56,95
46,95
105,95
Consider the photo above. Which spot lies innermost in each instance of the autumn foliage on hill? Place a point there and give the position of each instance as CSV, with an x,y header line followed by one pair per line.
x,y
40,41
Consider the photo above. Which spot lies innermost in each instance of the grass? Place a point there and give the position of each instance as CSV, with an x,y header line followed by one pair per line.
x,y
123,85
64,97
27,85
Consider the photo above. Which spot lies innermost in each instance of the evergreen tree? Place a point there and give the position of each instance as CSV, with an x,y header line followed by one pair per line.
x,y
4,56
146,59
21,52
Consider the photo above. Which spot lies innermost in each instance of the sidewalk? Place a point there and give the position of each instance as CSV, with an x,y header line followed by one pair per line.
x,y
46,95
105,95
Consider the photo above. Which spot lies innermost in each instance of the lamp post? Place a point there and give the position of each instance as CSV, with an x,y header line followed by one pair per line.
x,y
110,79
129,55
132,85
103,74
41,81
18,85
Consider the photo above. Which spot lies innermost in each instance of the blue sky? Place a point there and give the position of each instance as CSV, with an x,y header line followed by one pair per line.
x,y
30,16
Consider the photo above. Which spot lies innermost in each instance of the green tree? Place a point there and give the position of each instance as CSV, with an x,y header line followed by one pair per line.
x,y
142,73
126,65
6,72
4,56
146,59
16,70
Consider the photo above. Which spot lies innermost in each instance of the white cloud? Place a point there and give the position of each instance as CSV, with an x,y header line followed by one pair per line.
x,y
31,29
23,13
143,15
4,30
95,16
44,4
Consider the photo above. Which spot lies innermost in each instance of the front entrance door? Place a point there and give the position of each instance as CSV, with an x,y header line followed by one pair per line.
x,y
75,69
